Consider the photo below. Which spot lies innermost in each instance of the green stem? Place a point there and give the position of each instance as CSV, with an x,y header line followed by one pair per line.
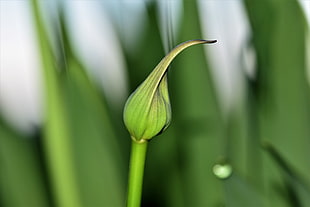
x,y
136,170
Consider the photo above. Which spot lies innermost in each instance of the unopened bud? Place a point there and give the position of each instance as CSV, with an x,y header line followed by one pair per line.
x,y
147,112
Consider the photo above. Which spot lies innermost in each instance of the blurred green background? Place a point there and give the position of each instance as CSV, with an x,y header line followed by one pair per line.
x,y
240,132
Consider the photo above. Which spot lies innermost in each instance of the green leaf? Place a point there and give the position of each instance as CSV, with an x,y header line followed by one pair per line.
x,y
21,175
57,139
297,189
198,126
281,88
239,192
97,157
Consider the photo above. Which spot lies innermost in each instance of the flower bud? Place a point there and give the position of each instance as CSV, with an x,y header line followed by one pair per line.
x,y
147,112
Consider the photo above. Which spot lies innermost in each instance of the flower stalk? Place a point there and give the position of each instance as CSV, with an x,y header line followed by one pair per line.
x,y
147,113
136,171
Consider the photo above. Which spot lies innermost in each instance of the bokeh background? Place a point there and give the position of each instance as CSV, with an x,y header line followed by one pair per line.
x,y
240,132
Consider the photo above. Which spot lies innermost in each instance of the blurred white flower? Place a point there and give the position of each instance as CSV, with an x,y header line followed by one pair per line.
x,y
20,81
227,22
97,46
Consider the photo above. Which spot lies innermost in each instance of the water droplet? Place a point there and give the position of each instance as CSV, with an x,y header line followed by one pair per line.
x,y
222,171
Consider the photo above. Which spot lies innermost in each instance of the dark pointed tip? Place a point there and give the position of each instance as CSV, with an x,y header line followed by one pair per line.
x,y
210,41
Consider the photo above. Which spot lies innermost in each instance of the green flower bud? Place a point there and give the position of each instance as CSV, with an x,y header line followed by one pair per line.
x,y
147,112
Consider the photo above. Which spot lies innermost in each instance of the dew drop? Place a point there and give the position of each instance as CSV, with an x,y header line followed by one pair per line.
x,y
222,171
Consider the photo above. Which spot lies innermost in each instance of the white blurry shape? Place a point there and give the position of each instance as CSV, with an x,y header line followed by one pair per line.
x,y
225,21
222,171
128,18
248,61
97,47
308,55
19,67
169,18
305,5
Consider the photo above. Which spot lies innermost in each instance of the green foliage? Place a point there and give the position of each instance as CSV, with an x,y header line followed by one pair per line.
x,y
199,132
282,92
79,156
21,179
57,142
93,135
